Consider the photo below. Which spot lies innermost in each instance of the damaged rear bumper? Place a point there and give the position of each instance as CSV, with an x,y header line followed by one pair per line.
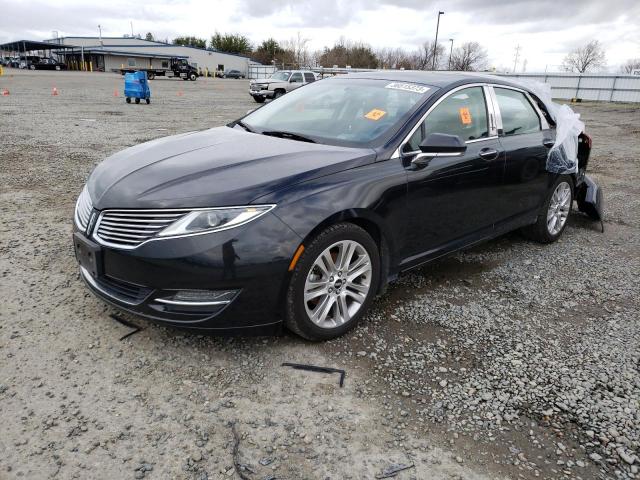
x,y
590,198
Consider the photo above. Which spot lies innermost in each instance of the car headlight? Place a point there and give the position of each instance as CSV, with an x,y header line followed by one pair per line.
x,y
214,220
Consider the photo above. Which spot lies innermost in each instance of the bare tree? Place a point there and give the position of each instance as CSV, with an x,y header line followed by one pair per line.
x,y
630,65
423,57
297,47
394,58
586,58
470,56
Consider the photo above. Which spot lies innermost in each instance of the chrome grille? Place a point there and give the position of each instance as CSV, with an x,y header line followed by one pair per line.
x,y
83,209
129,228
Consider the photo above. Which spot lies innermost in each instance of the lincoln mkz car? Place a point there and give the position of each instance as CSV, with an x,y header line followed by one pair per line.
x,y
300,213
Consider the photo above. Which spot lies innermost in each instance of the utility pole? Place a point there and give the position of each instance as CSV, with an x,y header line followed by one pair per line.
x,y
131,28
100,34
435,44
450,53
515,62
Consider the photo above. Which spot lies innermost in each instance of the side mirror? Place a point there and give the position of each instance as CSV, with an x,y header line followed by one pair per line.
x,y
437,145
440,143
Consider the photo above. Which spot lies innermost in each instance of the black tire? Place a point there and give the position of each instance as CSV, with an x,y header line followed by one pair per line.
x,y
128,100
151,76
258,99
296,318
148,101
137,100
278,94
539,231
193,77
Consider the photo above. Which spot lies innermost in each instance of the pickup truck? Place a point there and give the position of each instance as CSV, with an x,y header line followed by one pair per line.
x,y
279,83
179,68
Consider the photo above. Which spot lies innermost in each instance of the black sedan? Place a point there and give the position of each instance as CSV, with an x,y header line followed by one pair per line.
x,y
233,74
298,214
47,64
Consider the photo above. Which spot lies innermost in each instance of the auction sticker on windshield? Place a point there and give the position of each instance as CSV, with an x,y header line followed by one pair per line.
x,y
375,114
408,87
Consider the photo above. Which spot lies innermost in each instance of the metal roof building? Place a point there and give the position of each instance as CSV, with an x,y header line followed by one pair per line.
x,y
110,53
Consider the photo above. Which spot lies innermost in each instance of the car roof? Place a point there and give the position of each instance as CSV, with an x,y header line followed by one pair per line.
x,y
430,78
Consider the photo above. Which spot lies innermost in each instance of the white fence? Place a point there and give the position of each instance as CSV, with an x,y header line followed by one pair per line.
x,y
588,86
260,71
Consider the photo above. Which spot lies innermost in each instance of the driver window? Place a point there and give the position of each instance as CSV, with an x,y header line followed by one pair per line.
x,y
296,78
463,113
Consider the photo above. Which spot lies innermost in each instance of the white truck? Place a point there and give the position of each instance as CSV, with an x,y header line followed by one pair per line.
x,y
279,83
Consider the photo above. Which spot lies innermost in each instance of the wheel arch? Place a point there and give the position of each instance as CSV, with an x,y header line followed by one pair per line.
x,y
374,226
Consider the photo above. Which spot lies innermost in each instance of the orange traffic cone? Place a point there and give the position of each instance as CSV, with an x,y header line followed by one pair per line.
x,y
115,92
5,92
54,92
179,93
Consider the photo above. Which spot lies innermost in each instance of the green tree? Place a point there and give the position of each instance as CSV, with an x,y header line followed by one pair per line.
x,y
268,51
149,36
354,54
231,43
190,42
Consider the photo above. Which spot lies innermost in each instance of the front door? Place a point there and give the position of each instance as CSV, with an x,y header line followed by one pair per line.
x,y
452,200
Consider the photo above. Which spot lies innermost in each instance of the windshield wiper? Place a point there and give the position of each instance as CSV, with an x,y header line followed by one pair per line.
x,y
288,135
245,126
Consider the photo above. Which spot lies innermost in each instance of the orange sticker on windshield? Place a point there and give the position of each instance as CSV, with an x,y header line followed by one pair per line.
x,y
465,116
375,114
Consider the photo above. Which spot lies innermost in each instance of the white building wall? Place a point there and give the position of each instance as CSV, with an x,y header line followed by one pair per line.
x,y
200,58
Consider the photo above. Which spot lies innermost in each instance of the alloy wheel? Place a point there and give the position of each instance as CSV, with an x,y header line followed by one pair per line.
x,y
337,284
559,207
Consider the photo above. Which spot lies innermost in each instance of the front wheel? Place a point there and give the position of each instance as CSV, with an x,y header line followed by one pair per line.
x,y
333,283
552,218
128,100
258,99
193,77
278,94
137,100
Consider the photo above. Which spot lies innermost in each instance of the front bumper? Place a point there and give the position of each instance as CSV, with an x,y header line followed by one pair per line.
x,y
250,260
261,93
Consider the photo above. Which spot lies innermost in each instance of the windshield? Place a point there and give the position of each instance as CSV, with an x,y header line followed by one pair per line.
x,y
342,111
282,76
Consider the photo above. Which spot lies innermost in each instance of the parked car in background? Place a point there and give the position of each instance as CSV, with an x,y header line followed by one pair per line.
x,y
233,74
301,212
27,61
48,64
4,61
279,83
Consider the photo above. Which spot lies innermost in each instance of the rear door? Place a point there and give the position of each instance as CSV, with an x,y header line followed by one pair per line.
x,y
452,200
526,137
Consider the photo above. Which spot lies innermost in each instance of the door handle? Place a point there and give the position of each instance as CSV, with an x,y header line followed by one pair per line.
x,y
488,154
548,142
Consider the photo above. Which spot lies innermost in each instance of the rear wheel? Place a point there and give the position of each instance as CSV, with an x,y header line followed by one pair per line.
x,y
128,100
193,77
333,283
148,101
552,218
137,100
151,75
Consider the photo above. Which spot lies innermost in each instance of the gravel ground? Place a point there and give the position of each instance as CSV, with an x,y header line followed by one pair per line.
x,y
510,360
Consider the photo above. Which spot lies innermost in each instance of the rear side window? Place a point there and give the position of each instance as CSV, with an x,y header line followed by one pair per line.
x,y
309,77
296,78
463,113
518,115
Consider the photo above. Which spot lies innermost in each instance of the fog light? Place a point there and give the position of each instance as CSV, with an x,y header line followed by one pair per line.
x,y
199,297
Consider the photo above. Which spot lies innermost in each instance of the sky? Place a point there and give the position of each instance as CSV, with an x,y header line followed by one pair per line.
x,y
545,30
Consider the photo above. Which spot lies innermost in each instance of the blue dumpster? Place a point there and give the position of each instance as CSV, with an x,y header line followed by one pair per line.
x,y
136,86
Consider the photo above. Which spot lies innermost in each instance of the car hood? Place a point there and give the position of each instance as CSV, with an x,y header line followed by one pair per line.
x,y
218,167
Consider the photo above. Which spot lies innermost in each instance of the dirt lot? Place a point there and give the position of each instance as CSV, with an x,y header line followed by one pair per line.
x,y
511,360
